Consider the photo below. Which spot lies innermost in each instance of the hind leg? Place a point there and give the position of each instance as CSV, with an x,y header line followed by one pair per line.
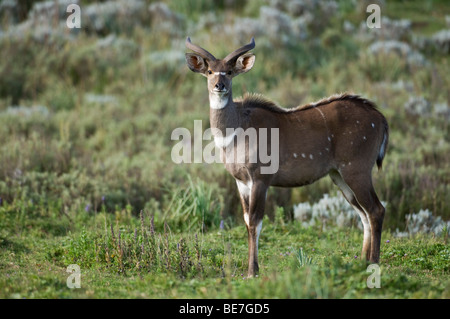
x,y
364,194
350,197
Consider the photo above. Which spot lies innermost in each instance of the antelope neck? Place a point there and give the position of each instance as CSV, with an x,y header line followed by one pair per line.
x,y
225,116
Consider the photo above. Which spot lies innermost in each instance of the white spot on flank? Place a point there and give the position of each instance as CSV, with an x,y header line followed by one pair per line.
x,y
303,155
373,125
295,155
357,122
364,138
311,156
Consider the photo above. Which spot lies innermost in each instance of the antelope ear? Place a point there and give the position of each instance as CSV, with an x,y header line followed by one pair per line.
x,y
196,63
244,63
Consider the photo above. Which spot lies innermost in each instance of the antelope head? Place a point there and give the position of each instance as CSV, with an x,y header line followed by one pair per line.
x,y
220,72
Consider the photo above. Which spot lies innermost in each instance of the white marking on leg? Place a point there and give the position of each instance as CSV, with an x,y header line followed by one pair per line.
x,y
349,195
258,231
366,224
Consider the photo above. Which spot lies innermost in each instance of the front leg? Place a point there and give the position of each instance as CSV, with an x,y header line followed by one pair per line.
x,y
253,198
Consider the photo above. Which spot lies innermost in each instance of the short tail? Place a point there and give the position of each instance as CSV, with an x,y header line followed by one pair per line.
x,y
383,146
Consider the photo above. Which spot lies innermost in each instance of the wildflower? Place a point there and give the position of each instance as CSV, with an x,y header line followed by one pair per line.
x,y
103,198
222,224
356,256
87,208
387,241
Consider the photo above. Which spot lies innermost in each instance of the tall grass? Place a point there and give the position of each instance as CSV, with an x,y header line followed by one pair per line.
x,y
198,207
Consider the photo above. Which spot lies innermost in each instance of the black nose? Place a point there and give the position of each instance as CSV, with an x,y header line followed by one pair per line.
x,y
220,86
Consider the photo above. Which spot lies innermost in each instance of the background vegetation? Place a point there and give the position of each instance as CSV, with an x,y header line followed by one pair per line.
x,y
86,175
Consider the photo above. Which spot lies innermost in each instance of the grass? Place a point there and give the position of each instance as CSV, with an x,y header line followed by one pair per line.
x,y
420,14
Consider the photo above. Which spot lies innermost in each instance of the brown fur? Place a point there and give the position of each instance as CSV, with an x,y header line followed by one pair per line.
x,y
252,100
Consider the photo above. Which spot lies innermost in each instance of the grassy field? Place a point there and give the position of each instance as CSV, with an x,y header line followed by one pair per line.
x,y
131,259
86,175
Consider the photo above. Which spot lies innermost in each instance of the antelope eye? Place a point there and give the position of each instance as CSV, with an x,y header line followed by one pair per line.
x,y
229,72
209,72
